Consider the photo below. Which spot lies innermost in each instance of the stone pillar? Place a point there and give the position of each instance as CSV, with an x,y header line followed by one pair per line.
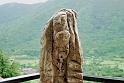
x,y
60,60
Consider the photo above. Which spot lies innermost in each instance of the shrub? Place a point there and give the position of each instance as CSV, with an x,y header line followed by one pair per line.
x,y
8,68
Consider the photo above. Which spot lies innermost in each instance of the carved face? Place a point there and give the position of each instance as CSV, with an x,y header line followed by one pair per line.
x,y
60,22
61,30
62,38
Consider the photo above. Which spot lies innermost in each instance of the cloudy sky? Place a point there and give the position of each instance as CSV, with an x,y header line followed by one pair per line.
x,y
21,1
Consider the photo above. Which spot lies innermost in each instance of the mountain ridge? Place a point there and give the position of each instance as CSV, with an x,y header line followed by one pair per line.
x,y
100,26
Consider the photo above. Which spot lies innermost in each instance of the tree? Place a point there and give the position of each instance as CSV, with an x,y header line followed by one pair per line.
x,y
7,68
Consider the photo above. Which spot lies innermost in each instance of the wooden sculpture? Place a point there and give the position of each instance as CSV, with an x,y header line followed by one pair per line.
x,y
60,60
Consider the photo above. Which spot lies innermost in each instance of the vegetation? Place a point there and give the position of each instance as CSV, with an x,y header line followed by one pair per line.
x,y
100,26
8,68
104,67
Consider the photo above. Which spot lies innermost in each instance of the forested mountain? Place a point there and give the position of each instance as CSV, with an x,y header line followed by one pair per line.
x,y
100,25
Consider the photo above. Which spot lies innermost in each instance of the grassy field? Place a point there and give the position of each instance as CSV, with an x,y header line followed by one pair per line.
x,y
112,66
26,61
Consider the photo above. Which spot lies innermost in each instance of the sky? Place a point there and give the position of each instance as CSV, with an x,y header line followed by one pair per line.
x,y
21,1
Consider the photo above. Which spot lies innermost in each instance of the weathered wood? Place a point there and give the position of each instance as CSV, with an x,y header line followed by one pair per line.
x,y
60,60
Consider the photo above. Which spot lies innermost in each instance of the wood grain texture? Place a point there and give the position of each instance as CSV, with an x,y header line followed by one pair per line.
x,y
60,60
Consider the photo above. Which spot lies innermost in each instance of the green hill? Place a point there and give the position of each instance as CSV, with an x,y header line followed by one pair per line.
x,y
100,25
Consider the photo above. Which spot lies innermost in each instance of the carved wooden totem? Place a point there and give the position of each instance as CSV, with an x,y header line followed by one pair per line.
x,y
60,60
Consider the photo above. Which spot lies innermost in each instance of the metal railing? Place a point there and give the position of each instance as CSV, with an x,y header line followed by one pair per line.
x,y
29,77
